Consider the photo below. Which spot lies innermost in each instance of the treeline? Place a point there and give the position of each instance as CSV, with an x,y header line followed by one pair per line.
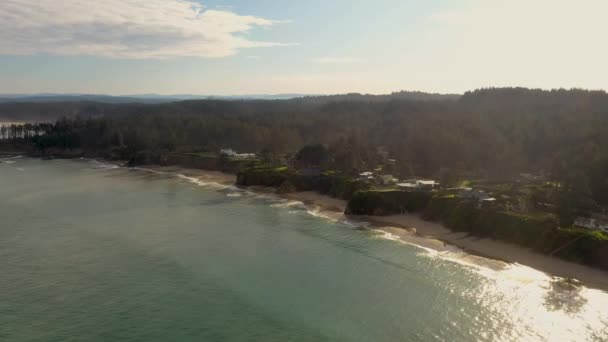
x,y
22,131
488,133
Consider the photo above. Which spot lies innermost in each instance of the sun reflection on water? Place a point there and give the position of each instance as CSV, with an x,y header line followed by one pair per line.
x,y
527,305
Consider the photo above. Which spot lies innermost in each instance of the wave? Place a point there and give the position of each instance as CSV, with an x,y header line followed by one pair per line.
x,y
100,165
427,247
291,205
235,191
11,158
229,189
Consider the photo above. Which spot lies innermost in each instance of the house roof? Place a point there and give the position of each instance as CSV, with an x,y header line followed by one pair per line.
x,y
427,182
460,189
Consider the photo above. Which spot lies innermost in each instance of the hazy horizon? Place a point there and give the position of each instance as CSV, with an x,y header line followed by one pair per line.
x,y
287,94
220,48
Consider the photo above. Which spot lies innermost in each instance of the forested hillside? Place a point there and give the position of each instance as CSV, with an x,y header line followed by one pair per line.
x,y
490,133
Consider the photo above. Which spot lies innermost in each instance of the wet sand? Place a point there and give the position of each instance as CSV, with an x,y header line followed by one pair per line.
x,y
433,235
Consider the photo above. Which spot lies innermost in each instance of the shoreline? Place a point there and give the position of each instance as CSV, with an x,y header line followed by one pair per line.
x,y
202,175
499,255
412,229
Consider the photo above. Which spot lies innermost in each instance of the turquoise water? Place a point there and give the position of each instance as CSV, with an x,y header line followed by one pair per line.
x,y
94,253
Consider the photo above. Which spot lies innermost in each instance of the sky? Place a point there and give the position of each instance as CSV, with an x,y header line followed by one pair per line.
x,y
240,47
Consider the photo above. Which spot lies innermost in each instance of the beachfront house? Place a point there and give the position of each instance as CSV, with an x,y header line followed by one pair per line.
x,y
418,185
478,195
387,180
228,152
592,223
233,154
245,156
408,186
428,185
367,176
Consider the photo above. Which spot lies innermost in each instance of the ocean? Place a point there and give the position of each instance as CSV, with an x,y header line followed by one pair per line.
x,y
94,252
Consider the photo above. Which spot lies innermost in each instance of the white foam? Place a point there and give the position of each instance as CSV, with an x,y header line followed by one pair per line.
x,y
193,180
487,267
105,166
11,158
355,224
290,204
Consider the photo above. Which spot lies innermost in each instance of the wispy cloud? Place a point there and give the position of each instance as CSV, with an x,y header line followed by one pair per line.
x,y
337,60
125,29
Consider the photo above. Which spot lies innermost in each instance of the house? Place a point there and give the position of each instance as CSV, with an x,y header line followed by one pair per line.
x,y
233,154
418,185
367,176
427,185
387,180
408,186
479,195
228,152
244,156
592,223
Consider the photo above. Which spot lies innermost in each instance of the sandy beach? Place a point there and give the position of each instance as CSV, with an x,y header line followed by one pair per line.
x,y
433,235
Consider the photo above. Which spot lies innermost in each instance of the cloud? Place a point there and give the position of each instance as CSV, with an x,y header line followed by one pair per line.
x,y
133,29
337,60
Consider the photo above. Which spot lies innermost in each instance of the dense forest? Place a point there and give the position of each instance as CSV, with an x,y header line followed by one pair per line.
x,y
491,133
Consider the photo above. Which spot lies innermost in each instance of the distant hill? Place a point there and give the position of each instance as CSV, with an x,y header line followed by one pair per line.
x,y
53,98
142,98
50,107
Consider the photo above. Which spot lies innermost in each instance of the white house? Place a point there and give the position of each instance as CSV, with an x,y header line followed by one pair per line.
x,y
591,223
228,152
417,184
367,176
479,195
387,179
408,186
232,153
244,155
427,184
